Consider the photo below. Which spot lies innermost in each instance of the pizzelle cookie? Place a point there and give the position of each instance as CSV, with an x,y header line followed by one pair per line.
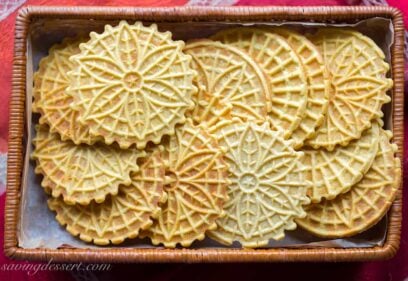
x,y
335,172
283,68
81,173
50,98
210,108
267,190
118,217
228,79
358,86
365,204
317,84
131,84
196,187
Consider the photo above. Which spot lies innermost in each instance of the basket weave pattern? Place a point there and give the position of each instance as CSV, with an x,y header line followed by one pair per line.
x,y
182,14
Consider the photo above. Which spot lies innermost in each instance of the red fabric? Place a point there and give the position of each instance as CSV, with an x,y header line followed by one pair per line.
x,y
403,6
292,2
394,269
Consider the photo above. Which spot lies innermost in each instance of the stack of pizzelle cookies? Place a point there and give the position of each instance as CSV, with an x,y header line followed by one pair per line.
x,y
116,152
238,137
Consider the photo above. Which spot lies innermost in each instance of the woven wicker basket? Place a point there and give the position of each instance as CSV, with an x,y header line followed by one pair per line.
x,y
317,14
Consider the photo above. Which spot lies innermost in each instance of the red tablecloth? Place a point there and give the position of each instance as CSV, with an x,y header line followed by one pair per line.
x,y
394,269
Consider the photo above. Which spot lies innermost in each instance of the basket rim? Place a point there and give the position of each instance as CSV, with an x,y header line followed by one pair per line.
x,y
17,123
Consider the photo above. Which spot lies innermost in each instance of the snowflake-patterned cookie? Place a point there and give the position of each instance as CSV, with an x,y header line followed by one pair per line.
x,y
131,84
283,68
365,204
196,187
50,97
229,80
81,173
267,190
121,216
358,87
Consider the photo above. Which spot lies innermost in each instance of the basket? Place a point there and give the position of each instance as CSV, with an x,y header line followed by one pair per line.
x,y
17,127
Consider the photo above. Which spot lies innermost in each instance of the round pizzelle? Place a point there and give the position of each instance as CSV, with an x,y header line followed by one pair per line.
x,y
267,190
365,204
228,79
283,68
81,173
358,86
131,84
317,84
121,216
50,97
332,41
335,172
196,187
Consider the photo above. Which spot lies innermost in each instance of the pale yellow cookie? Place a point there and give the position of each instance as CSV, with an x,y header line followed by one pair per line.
x,y
131,84
118,217
211,109
228,80
81,173
365,204
335,172
283,68
196,187
50,97
317,84
267,190
358,86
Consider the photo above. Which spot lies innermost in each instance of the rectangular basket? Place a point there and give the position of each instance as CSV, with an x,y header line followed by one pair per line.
x,y
185,14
